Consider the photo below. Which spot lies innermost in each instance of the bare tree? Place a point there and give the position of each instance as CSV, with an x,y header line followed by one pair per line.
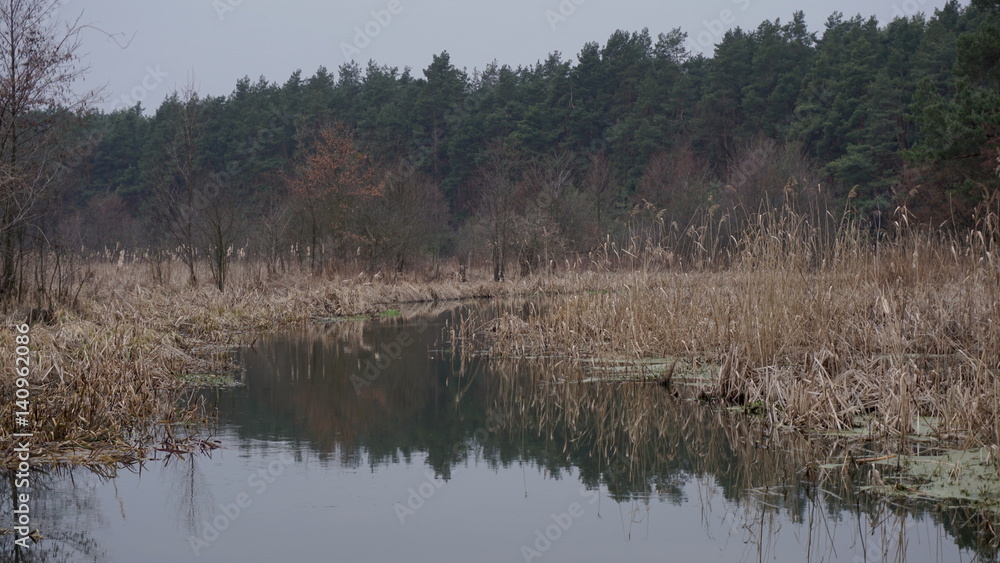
x,y
409,218
223,223
180,180
331,183
501,203
275,217
38,65
600,188
198,205
678,182
540,227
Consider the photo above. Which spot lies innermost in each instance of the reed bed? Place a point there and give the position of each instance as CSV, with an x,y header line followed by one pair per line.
x,y
821,325
105,371
821,329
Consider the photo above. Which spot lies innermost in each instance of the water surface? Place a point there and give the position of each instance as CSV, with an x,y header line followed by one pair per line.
x,y
369,441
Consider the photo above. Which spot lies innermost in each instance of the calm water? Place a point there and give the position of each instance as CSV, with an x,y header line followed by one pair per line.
x,y
366,441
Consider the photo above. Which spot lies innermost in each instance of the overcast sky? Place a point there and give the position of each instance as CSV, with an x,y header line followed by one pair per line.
x,y
218,41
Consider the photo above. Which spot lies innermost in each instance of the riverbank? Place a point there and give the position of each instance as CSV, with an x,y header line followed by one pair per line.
x,y
889,342
891,345
109,370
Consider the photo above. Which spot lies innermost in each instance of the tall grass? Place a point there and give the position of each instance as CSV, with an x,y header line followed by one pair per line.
x,y
105,370
819,318
826,323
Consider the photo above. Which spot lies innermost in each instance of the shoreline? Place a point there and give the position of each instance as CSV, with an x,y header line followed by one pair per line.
x,y
102,372
99,370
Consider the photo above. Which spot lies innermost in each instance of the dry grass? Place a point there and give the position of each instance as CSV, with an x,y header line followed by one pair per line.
x,y
821,325
824,329
105,371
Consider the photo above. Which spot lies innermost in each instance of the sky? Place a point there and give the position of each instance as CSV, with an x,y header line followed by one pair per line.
x,y
143,51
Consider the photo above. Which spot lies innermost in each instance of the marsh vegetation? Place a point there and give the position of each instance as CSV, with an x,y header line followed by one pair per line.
x,y
821,329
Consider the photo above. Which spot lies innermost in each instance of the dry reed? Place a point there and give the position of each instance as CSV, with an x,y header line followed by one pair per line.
x,y
105,371
822,328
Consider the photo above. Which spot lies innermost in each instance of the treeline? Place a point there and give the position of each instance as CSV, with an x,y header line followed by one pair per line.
x,y
524,165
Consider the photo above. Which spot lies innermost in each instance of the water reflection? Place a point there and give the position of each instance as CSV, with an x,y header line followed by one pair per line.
x,y
638,442
373,429
351,388
67,519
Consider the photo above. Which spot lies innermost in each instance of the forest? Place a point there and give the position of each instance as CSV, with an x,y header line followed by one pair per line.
x,y
392,170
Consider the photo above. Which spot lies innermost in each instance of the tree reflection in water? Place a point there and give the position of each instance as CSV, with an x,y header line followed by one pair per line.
x,y
635,443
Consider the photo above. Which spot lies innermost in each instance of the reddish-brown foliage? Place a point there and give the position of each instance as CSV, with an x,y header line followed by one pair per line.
x,y
332,183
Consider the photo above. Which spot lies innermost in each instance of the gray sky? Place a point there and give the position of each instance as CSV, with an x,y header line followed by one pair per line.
x,y
219,41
